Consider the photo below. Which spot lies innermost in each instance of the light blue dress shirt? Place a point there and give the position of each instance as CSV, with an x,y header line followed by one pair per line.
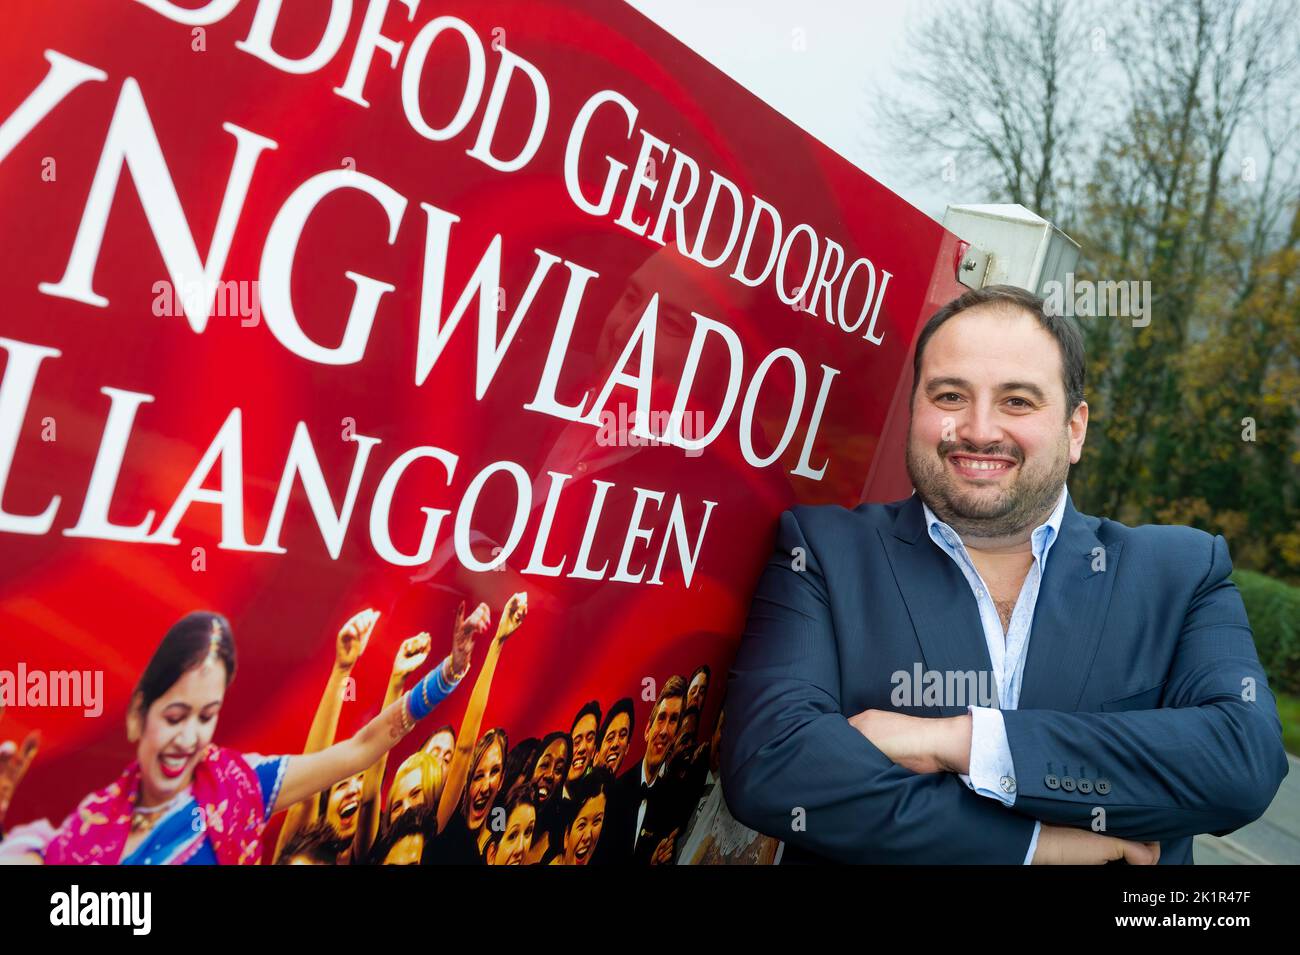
x,y
992,772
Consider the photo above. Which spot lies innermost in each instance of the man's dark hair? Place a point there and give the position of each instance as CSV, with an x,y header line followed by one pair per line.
x,y
623,706
445,728
1061,327
319,843
591,708
674,688
411,823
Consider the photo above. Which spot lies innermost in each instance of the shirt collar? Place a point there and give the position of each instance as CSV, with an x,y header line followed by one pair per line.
x,y
1040,540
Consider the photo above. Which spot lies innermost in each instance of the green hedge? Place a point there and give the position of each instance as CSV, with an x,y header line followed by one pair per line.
x,y
1274,611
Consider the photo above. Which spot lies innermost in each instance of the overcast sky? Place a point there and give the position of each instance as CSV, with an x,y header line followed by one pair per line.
x,y
850,50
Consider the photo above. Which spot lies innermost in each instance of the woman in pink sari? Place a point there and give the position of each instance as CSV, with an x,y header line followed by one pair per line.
x,y
185,800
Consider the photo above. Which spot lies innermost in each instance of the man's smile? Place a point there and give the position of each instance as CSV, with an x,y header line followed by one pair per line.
x,y
978,467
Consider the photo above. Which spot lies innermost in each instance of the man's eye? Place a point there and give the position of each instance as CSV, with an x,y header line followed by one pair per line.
x,y
1022,402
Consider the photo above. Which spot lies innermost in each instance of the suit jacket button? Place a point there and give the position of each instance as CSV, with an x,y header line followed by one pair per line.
x,y
1051,782
1085,785
1067,783
1103,787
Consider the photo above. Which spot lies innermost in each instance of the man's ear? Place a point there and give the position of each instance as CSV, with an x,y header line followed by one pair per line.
x,y
135,718
1078,428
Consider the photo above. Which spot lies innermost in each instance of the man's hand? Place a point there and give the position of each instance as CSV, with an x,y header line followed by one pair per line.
x,y
1061,845
663,854
942,745
919,743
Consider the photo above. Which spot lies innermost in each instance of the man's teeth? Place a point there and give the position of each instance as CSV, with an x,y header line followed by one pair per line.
x,y
983,465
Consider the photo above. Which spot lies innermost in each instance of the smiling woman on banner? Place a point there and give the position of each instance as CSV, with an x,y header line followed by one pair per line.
x,y
350,808
185,800
546,777
457,831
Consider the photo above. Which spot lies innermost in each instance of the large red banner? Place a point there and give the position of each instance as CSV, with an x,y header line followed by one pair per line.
x,y
315,307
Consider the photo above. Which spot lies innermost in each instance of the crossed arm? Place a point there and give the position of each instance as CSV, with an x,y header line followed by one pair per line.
x,y
881,786
1210,760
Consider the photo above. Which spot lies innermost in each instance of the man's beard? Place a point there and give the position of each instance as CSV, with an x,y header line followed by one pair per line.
x,y
1026,503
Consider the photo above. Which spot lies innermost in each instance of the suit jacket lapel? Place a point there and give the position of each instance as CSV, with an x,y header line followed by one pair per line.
x,y
1068,618
938,598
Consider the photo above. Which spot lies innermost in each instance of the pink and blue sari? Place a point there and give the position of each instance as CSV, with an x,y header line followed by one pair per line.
x,y
219,823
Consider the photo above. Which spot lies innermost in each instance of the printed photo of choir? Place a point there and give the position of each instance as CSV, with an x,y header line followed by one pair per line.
x,y
470,795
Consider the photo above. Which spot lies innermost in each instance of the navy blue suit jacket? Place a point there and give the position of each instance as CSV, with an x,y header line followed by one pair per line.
x,y
1139,672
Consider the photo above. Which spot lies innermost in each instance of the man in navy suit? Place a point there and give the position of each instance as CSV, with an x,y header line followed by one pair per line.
x,y
980,673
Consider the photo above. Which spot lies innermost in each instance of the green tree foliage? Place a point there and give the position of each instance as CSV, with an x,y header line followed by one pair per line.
x,y
1185,173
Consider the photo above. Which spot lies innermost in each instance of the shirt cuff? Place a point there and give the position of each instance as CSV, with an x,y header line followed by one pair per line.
x,y
992,773
1033,844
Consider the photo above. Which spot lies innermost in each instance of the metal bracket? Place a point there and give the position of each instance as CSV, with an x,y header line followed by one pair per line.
x,y
973,267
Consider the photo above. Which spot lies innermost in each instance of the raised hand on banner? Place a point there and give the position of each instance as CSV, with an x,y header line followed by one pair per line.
x,y
14,763
512,617
663,853
463,634
411,654
353,638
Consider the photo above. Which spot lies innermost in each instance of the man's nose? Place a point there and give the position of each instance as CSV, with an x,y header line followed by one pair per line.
x,y
979,427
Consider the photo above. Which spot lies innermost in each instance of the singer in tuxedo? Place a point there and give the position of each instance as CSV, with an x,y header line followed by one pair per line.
x,y
636,797
1091,691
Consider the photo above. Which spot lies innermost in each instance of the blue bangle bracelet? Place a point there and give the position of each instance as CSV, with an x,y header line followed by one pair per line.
x,y
428,693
